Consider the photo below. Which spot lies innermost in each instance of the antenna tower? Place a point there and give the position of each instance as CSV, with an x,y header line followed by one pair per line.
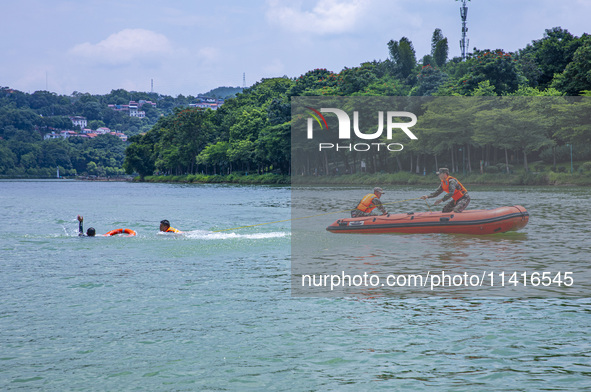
x,y
152,85
243,79
464,42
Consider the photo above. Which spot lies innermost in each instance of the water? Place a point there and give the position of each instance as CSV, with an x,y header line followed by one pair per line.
x,y
214,311
556,241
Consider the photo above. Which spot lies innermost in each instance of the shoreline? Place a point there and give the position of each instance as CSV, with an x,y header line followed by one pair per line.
x,y
399,178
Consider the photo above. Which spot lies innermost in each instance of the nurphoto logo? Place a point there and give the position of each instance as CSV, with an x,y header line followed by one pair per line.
x,y
344,131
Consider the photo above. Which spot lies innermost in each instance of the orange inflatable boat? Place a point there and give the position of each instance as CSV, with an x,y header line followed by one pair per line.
x,y
498,220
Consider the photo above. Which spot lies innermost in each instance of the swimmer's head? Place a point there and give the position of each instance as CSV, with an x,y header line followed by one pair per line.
x,y
164,225
91,232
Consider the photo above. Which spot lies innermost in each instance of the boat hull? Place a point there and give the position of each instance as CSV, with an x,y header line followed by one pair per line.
x,y
480,222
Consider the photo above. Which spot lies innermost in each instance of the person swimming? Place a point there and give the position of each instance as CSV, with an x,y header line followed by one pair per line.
x,y
91,232
165,227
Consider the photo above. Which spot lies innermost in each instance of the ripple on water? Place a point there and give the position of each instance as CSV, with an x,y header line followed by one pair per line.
x,y
213,311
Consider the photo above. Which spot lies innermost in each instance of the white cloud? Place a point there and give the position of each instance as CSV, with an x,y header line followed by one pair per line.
x,y
124,47
327,16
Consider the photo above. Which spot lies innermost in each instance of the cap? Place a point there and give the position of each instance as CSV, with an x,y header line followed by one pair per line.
x,y
378,189
443,170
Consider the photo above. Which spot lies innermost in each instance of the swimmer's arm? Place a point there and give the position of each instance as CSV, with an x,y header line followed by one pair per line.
x,y
80,226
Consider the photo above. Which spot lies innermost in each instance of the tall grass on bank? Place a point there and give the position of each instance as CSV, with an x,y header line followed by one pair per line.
x,y
219,179
377,179
405,178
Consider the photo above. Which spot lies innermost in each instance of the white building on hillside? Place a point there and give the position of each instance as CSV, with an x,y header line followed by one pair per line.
x,y
79,121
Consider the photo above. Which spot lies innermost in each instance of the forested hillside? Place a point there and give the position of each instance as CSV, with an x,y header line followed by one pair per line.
x,y
251,133
26,118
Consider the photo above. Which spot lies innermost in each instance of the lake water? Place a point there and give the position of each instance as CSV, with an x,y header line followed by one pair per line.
x,y
214,310
552,250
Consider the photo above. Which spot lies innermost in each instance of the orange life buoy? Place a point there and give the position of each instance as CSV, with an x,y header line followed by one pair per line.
x,y
121,231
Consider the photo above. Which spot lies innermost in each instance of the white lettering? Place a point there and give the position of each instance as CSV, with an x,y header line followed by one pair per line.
x,y
403,126
367,136
395,144
344,147
344,122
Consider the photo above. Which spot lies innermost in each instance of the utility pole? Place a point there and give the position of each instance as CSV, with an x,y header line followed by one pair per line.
x,y
464,42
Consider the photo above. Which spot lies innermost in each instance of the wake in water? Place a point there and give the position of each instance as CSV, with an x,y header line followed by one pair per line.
x,y
210,235
194,234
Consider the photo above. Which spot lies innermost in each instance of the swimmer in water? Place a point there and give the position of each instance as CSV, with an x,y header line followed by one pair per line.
x,y
165,227
91,232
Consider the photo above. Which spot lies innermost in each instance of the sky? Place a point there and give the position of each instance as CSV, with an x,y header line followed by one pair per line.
x,y
190,47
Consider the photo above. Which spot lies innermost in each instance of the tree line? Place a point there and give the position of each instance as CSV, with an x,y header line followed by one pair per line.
x,y
251,132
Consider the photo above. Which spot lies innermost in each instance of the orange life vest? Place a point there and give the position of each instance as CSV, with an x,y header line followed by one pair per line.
x,y
458,193
172,230
366,204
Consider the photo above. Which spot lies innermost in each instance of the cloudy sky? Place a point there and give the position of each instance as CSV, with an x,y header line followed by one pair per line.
x,y
189,47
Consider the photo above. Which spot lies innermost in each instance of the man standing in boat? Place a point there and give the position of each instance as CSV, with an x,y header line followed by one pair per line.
x,y
453,189
369,202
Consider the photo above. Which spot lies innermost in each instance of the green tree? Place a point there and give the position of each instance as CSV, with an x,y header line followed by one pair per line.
x,y
248,124
447,125
577,75
273,146
214,155
96,124
403,56
516,124
428,81
498,67
139,155
441,52
181,138
241,153
439,48
8,158
551,54
356,79
574,124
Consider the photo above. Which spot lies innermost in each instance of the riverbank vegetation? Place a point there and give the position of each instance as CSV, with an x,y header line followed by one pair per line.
x,y
582,177
251,133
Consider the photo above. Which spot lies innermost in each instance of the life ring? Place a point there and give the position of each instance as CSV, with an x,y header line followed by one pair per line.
x,y
121,231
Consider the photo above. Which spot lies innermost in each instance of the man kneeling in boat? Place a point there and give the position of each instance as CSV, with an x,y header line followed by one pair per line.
x,y
369,202
165,227
453,189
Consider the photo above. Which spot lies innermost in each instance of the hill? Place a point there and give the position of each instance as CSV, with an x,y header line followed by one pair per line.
x,y
223,92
